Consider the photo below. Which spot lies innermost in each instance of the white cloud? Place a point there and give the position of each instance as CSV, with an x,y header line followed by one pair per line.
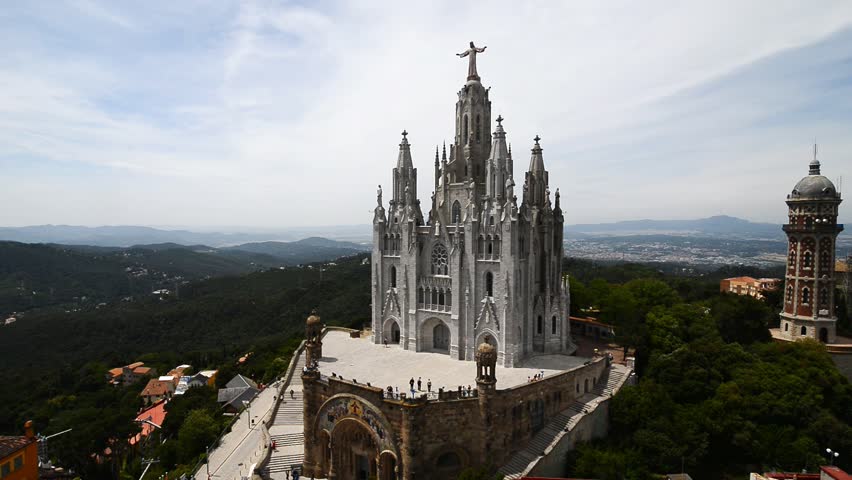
x,y
273,114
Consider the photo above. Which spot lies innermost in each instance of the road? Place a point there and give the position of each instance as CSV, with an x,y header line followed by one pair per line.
x,y
241,447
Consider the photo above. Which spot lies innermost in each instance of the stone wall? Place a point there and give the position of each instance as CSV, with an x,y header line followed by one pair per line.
x,y
438,438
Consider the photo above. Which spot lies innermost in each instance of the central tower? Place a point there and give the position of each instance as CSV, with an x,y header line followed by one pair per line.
x,y
479,268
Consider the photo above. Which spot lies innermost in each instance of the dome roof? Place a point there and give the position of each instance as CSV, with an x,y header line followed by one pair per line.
x,y
486,348
814,186
314,319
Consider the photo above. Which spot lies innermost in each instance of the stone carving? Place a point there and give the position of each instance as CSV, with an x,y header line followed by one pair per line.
x,y
471,64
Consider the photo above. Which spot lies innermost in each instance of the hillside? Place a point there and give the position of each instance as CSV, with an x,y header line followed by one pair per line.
x,y
212,320
309,250
83,276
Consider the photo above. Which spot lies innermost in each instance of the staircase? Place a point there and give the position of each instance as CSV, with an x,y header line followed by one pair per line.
x,y
564,421
287,429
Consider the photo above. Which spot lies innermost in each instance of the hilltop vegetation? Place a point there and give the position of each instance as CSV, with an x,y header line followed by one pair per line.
x,y
715,395
54,362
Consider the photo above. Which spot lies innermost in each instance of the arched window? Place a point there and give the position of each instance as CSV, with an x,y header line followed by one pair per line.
x,y
393,277
449,298
481,246
420,295
553,325
823,297
540,325
441,298
478,129
786,327
806,295
809,222
489,284
439,260
490,247
456,212
465,127
807,260
804,331
497,245
491,220
789,294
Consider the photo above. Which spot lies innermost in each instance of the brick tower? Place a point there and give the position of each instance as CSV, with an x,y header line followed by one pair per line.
x,y
809,281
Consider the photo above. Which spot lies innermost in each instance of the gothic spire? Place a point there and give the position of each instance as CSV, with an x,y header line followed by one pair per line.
x,y
496,164
536,161
404,160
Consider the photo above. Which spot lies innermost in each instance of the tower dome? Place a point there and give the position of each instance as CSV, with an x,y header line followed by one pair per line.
x,y
313,319
814,185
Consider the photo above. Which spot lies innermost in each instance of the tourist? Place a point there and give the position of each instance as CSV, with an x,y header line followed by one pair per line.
x,y
397,393
429,385
419,384
292,393
468,390
385,341
411,383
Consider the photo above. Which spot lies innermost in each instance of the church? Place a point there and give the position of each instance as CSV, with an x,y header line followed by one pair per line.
x,y
478,266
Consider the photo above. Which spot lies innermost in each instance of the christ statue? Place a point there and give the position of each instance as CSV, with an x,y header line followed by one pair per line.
x,y
471,66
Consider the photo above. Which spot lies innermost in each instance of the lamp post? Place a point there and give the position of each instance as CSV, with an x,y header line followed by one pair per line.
x,y
247,405
832,455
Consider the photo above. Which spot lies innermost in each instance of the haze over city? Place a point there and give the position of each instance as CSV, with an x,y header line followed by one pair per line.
x,y
251,113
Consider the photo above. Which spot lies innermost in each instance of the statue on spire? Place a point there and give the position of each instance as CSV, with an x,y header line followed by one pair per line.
x,y
471,66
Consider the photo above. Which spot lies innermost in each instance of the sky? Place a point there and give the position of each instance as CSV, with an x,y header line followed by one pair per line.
x,y
280,114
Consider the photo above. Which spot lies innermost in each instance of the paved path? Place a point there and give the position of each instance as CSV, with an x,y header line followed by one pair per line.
x,y
287,429
241,447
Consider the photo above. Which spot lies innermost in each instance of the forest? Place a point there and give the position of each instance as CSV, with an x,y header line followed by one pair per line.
x,y
716,397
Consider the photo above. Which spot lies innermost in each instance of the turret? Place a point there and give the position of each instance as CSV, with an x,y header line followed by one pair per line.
x,y
498,162
811,231
536,182
313,338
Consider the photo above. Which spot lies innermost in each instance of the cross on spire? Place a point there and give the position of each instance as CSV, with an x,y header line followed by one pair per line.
x,y
499,119
404,133
537,138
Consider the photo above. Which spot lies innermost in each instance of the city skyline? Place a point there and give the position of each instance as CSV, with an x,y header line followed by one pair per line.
x,y
192,116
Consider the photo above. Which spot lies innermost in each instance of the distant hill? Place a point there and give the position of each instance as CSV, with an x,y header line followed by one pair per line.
x,y
721,225
303,251
127,235
82,276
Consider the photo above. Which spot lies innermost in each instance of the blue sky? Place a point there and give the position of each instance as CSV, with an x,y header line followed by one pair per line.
x,y
277,114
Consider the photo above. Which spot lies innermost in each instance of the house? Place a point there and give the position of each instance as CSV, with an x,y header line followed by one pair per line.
x,y
591,327
238,390
19,455
150,419
129,374
158,389
753,287
200,379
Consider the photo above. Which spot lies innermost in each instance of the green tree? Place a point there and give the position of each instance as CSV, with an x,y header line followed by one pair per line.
x,y
198,431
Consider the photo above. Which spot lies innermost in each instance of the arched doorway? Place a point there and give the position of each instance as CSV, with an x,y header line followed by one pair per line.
x,y
441,337
823,335
448,465
353,451
394,333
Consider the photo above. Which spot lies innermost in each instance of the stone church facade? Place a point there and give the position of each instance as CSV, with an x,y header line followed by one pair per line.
x,y
479,266
809,309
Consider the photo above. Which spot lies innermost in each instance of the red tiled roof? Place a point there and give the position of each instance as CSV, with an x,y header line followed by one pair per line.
x,y
135,364
155,415
141,370
115,371
156,388
836,473
10,445
589,320
741,279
